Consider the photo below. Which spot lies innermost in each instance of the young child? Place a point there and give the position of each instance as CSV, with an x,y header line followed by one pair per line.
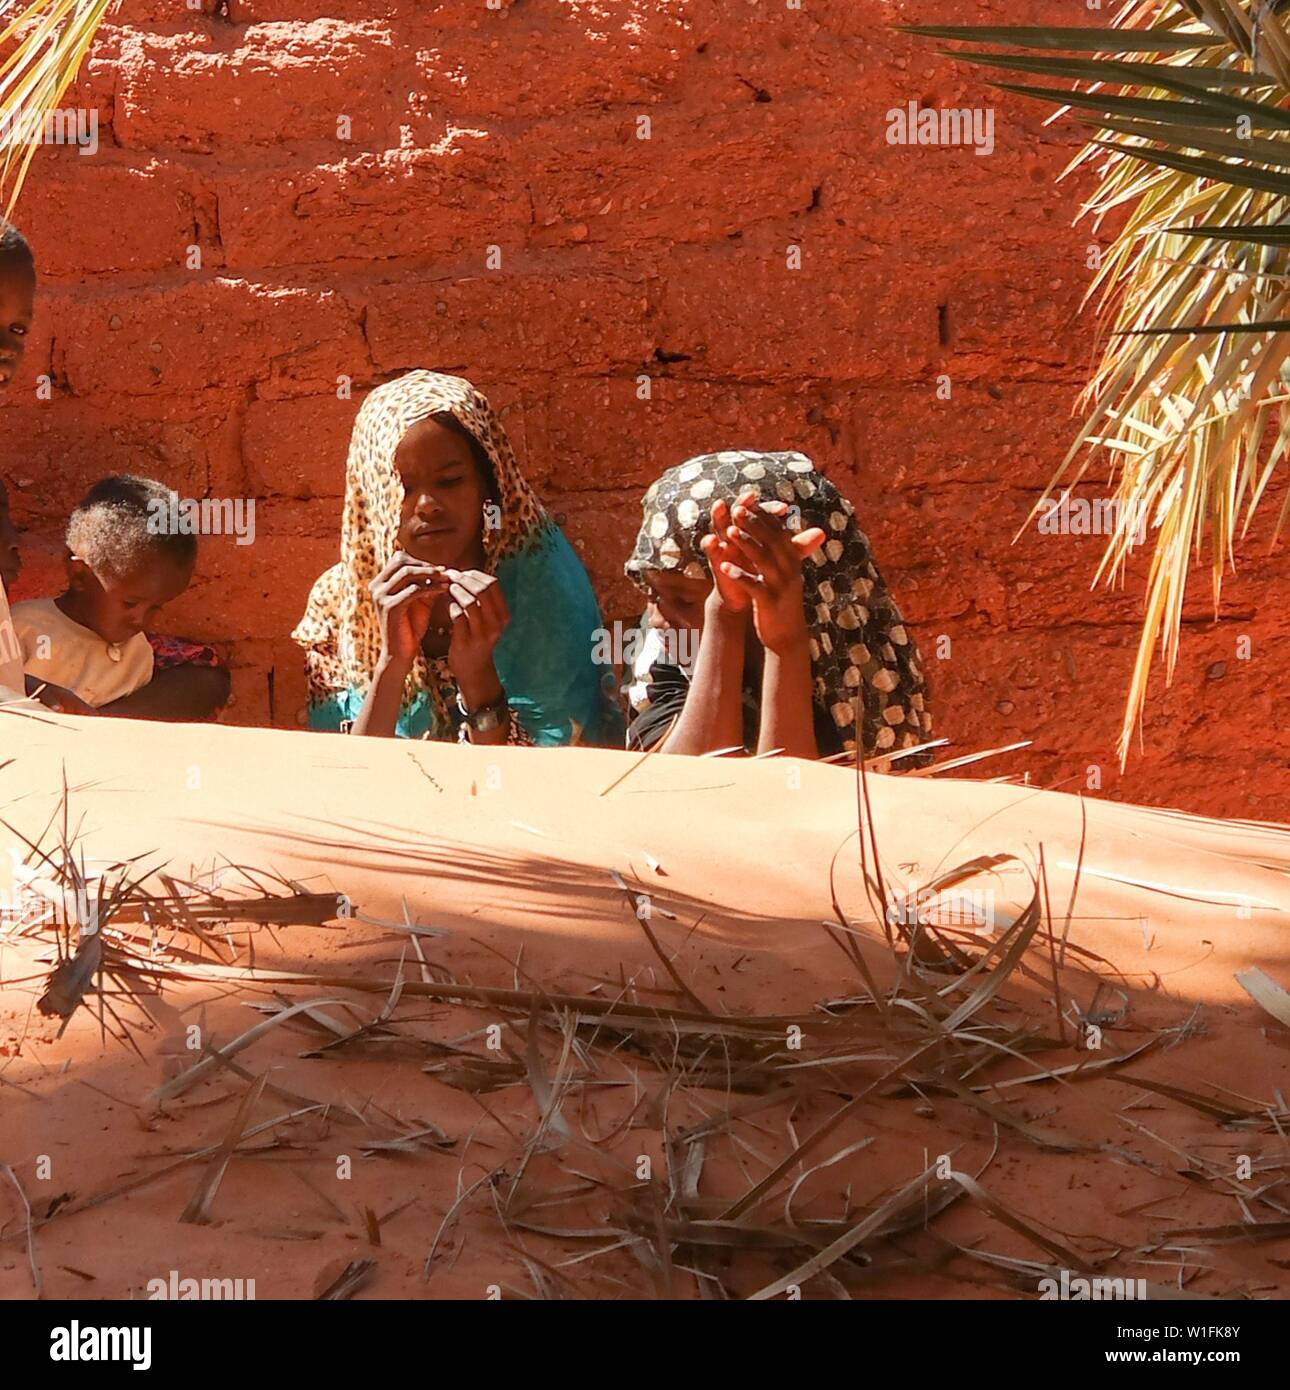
x,y
17,302
123,566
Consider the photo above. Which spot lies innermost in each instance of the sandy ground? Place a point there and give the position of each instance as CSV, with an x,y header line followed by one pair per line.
x,y
703,1070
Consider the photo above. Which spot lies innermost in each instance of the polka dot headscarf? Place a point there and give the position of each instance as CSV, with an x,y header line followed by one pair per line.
x,y
859,642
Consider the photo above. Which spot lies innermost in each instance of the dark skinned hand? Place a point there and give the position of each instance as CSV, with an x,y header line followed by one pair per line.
x,y
726,593
58,698
763,559
479,616
405,593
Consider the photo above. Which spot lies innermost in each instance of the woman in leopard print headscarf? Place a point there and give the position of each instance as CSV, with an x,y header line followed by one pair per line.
x,y
859,645
553,693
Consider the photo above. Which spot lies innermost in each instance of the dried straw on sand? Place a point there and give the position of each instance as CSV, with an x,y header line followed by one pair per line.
x,y
363,1016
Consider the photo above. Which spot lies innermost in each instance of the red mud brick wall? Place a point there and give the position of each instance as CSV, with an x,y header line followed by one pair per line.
x,y
319,258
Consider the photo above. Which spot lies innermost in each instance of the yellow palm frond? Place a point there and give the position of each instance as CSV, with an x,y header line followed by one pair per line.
x,y
44,47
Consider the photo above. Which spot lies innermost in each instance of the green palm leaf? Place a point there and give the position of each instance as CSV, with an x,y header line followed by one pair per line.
x,y
1274,152
1071,40
1103,70
1239,177
1190,401
1153,108
1264,236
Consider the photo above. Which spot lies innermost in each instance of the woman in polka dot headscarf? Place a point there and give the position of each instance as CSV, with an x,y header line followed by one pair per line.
x,y
798,629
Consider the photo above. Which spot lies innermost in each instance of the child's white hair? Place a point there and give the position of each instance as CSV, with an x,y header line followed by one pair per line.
x,y
118,526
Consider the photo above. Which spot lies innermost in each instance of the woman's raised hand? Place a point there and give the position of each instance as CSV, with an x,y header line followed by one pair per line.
x,y
479,616
404,593
718,552
763,559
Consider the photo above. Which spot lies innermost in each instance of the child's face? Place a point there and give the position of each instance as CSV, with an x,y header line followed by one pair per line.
x,y
119,607
17,302
443,497
10,560
678,599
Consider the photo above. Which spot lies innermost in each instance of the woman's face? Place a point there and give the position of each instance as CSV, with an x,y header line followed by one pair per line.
x,y
443,497
678,599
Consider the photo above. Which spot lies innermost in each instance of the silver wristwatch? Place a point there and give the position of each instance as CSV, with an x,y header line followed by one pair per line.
x,y
487,717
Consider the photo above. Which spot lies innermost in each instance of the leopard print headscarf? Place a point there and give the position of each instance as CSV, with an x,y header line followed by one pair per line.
x,y
341,627
859,643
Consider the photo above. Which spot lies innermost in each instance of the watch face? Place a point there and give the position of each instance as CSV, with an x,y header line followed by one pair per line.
x,y
485,721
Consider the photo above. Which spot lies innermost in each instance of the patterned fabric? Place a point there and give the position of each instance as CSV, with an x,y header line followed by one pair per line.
x,y
169,652
858,640
544,657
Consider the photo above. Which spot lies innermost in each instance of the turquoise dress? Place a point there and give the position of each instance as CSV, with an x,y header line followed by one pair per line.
x,y
544,659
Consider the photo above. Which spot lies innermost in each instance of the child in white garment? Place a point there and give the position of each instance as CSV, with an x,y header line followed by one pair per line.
x,y
121,569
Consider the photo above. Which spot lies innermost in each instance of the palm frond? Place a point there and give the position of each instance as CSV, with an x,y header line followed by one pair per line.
x,y
1188,105
44,47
